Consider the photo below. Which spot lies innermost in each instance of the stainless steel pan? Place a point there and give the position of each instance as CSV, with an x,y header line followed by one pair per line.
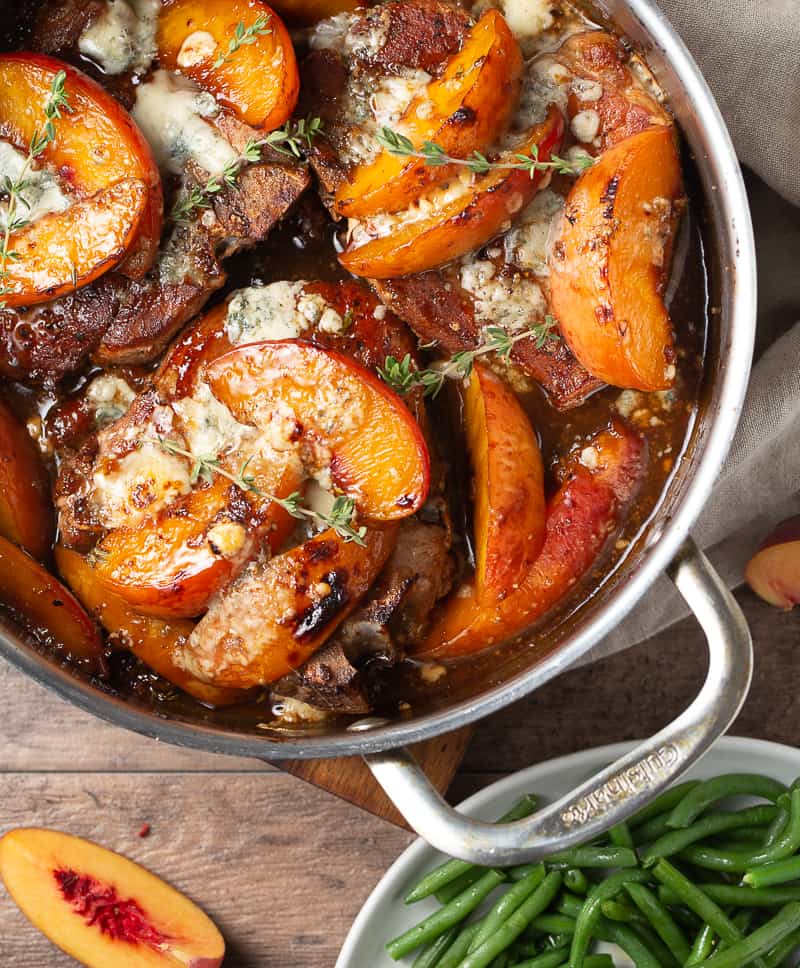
x,y
624,786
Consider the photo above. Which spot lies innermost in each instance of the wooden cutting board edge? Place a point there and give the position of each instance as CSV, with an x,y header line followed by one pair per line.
x,y
350,778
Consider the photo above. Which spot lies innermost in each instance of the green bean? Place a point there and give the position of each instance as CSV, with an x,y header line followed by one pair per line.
x,y
663,803
591,961
591,910
652,829
446,894
661,920
739,861
714,823
656,945
570,905
631,944
778,825
778,872
508,933
507,904
702,947
734,895
554,924
698,901
575,880
620,835
782,950
592,857
456,953
746,837
720,788
431,956
547,959
501,961
786,921
444,919
436,879
615,911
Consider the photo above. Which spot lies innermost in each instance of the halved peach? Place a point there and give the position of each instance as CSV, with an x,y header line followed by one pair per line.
x,y
154,641
508,509
172,566
339,412
97,146
580,518
102,908
26,512
278,613
452,222
610,262
462,111
259,81
45,606
774,570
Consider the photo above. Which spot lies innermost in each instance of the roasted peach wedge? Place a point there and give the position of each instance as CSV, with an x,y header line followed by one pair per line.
x,y
508,500
580,517
26,513
47,607
462,111
260,84
103,909
172,565
451,220
610,262
111,211
774,570
154,641
279,613
341,415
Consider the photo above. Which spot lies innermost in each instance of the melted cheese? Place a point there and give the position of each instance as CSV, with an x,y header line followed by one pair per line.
x,y
282,310
41,193
141,483
528,18
528,244
173,114
209,428
109,396
511,302
123,37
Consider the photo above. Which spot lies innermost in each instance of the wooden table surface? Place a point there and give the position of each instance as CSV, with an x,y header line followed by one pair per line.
x,y
283,868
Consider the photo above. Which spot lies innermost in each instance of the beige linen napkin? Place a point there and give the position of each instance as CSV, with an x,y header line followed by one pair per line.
x,y
749,51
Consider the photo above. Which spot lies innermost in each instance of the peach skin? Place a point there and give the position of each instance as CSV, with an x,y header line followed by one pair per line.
x,y
580,518
610,262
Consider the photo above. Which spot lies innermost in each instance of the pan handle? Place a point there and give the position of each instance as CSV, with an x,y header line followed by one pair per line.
x,y
622,788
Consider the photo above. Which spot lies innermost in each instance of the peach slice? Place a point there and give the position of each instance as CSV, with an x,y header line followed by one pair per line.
x,y
97,146
102,908
26,512
462,111
610,262
259,82
45,606
774,570
171,566
154,641
339,412
278,613
580,517
455,219
508,504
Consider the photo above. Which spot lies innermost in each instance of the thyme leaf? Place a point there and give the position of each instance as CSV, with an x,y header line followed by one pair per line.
x,y
204,466
435,156
243,36
402,376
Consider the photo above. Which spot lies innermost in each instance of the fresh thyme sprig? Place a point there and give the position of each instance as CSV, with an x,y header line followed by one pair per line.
x,y
435,156
288,140
402,377
13,188
205,466
244,36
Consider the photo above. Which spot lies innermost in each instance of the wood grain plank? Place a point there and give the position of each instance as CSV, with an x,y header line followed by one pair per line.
x,y
281,867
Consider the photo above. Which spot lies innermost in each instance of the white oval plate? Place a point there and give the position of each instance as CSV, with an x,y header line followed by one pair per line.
x,y
384,915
